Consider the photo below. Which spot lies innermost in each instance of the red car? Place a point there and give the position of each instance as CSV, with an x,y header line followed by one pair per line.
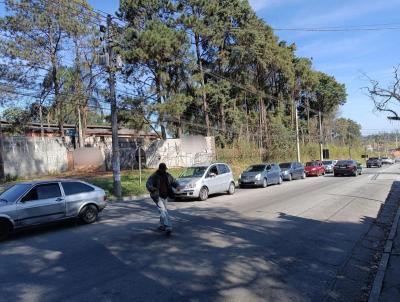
x,y
314,168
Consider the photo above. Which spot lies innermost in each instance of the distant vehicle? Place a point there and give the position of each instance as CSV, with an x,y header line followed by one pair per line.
x,y
33,203
292,170
374,162
315,168
347,167
397,160
387,161
261,175
329,164
203,180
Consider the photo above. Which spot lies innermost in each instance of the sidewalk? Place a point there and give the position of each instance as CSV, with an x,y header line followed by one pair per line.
x,y
391,282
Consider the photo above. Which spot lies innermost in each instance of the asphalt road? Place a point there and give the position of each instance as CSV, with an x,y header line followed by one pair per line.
x,y
282,243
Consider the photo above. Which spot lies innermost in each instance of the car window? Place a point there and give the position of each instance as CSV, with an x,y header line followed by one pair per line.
x,y
285,165
14,192
256,168
223,169
214,170
71,188
344,162
275,167
193,172
45,191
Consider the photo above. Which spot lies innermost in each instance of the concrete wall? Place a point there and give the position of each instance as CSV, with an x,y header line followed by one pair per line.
x,y
24,157
30,156
182,152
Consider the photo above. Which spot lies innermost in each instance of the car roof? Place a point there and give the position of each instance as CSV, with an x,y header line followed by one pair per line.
x,y
45,181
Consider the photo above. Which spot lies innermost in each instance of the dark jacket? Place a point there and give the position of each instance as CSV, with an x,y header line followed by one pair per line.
x,y
153,186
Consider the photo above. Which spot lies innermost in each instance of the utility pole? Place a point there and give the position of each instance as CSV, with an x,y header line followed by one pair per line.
x,y
297,134
320,137
114,113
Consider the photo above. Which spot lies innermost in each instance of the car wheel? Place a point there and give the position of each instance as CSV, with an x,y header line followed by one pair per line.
x,y
265,183
4,229
303,176
203,194
89,214
231,189
280,180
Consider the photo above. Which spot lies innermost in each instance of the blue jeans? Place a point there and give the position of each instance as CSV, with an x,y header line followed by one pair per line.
x,y
165,220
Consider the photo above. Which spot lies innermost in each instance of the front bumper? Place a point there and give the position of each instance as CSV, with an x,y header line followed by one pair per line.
x,y
312,173
187,193
250,182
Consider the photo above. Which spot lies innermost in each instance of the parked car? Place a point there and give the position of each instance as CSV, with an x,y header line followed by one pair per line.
x,y
261,175
292,170
315,168
32,203
348,167
387,161
374,162
397,160
329,164
201,181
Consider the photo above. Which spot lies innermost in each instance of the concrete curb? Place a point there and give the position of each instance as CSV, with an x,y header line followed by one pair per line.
x,y
380,275
129,198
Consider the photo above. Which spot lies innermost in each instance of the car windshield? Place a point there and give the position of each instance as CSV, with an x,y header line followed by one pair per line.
x,y
373,158
256,168
385,157
344,162
328,162
311,164
193,172
14,192
285,165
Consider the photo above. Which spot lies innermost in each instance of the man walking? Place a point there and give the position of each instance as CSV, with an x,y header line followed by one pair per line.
x,y
160,186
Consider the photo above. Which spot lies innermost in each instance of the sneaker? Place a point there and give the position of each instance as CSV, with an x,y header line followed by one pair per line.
x,y
161,228
168,232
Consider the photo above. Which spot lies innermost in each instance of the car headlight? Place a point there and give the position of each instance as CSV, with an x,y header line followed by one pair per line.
x,y
286,172
258,177
190,186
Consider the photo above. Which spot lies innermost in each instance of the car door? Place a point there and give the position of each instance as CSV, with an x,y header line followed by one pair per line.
x,y
270,174
211,180
43,203
224,176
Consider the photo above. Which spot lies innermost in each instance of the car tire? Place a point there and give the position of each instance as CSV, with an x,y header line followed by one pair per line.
x,y
5,229
203,195
231,189
89,214
265,183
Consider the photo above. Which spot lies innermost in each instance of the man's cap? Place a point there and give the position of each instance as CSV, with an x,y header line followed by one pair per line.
x,y
162,166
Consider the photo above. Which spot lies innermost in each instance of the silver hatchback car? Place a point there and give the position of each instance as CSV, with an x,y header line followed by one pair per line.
x,y
32,203
203,180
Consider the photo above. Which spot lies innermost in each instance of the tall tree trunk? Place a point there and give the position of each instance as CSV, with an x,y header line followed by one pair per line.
x,y
223,119
80,132
204,94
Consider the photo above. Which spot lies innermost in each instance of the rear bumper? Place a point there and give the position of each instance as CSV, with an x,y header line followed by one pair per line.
x,y
345,172
313,173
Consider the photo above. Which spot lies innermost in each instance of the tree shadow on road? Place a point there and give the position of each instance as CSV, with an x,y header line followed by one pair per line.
x,y
215,254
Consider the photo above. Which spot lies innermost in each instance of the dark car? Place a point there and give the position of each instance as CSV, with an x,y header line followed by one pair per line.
x,y
292,170
347,167
315,168
374,162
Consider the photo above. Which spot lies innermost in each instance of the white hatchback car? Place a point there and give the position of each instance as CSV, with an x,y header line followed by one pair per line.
x,y
202,180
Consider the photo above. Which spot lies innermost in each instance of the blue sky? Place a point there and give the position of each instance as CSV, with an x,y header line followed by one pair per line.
x,y
346,55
